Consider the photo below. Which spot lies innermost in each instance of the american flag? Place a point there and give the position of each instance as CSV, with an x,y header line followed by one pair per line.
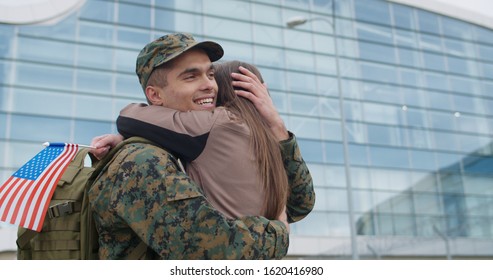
x,y
25,196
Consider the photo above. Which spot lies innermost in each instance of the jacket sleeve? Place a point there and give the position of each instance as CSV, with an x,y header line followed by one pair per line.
x,y
169,213
302,197
184,134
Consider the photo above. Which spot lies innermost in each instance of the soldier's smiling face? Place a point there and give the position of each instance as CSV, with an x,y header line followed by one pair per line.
x,y
190,83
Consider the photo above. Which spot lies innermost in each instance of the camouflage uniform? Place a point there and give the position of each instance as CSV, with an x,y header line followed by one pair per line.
x,y
142,196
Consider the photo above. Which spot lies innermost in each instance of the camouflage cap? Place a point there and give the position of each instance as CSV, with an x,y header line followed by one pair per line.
x,y
166,48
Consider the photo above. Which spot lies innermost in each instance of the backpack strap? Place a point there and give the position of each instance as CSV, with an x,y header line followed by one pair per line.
x,y
24,238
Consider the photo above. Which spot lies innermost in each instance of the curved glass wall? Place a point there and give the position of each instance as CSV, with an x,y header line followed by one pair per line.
x,y
392,107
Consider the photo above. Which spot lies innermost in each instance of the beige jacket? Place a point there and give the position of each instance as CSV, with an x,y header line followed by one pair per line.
x,y
216,147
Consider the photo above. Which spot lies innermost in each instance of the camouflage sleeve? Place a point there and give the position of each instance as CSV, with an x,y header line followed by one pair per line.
x,y
170,214
302,197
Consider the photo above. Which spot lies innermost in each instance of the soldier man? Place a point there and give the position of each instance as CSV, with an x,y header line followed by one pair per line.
x,y
143,197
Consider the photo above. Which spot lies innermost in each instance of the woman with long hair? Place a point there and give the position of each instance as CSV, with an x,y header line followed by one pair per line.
x,y
232,152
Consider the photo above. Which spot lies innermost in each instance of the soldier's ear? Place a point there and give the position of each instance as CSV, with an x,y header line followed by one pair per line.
x,y
154,95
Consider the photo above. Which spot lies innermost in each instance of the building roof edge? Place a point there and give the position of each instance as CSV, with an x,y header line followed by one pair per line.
x,y
450,10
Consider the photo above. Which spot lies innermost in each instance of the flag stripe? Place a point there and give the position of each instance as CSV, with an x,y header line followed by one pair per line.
x,y
19,202
12,184
46,184
55,177
25,196
10,201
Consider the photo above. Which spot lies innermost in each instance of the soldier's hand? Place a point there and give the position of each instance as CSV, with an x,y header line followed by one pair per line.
x,y
102,144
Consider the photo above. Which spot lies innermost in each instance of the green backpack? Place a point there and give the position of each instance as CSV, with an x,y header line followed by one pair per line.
x,y
69,232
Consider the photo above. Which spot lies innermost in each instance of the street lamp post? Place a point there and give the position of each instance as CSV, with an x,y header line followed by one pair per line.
x,y
299,20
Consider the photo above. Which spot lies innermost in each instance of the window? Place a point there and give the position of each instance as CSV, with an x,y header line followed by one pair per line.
x,y
94,82
388,157
42,102
134,15
40,129
44,76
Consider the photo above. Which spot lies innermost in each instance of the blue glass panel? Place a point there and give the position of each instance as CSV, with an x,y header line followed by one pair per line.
x,y
96,33
331,130
232,8
165,19
457,28
224,28
380,92
315,224
84,131
187,5
64,29
436,81
460,66
428,22
238,51
125,60
430,42
311,150
334,153
300,60
446,141
267,35
404,16
438,100
455,47
379,34
94,107
302,82
378,53
40,129
408,57
404,225
487,70
98,10
6,37
448,162
424,160
441,120
484,35
132,38
134,15
434,61
419,138
305,127
40,102
128,85
384,135
426,203
95,57
47,51
358,155
379,73
486,52
94,82
372,11
329,107
3,125
44,76
464,85
388,157
478,165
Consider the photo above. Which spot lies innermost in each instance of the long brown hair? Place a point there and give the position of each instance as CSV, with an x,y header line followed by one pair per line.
x,y
265,146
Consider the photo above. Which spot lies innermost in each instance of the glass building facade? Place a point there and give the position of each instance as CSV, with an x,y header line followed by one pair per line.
x,y
392,107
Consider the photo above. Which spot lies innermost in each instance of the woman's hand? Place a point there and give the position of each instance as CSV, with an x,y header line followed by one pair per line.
x,y
255,91
102,144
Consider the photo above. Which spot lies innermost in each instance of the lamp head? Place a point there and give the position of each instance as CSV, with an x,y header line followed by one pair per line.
x,y
295,21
